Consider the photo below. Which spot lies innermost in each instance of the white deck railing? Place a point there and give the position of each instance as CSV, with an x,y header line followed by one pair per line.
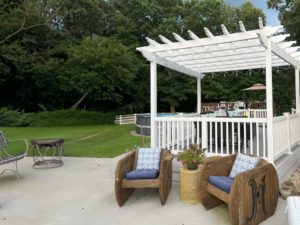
x,y
218,135
286,133
225,135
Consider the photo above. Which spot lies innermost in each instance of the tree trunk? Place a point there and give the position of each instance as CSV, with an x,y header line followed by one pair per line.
x,y
75,106
172,109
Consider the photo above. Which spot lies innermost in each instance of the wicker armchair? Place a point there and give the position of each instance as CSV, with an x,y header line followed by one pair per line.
x,y
124,188
253,195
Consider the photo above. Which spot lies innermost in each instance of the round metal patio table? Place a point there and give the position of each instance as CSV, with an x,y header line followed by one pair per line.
x,y
47,153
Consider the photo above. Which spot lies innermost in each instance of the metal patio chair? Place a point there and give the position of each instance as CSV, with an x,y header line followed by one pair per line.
x,y
7,158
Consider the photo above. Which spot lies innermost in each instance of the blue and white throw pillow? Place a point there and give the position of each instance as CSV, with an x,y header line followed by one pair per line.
x,y
148,158
243,163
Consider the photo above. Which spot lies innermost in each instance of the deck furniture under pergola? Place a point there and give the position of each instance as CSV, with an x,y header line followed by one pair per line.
x,y
265,47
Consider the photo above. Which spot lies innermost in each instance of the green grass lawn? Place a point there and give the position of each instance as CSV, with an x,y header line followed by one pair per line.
x,y
81,141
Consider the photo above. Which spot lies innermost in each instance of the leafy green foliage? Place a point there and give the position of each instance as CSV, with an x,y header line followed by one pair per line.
x,y
102,67
69,118
194,155
13,118
289,15
82,53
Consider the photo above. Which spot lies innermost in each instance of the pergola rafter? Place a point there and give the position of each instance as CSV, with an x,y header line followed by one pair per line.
x,y
202,54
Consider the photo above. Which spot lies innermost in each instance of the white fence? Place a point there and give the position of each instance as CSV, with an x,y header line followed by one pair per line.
x,y
286,133
125,119
218,135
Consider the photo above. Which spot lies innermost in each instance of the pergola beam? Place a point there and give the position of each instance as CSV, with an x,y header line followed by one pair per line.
x,y
171,65
220,47
231,64
240,67
286,44
279,51
237,68
221,54
233,58
205,53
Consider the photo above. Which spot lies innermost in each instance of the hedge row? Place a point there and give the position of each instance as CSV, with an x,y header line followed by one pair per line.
x,y
14,118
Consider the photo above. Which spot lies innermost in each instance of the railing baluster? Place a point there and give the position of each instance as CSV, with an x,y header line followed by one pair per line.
x,y
198,133
210,136
245,138
264,139
187,134
182,135
204,134
193,133
177,136
216,137
257,140
232,138
164,135
168,134
173,133
251,139
159,134
227,138
222,137
239,136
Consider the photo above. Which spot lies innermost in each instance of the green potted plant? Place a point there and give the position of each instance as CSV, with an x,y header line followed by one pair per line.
x,y
192,157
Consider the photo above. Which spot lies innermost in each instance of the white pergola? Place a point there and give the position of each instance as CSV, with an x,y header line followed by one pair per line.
x,y
261,48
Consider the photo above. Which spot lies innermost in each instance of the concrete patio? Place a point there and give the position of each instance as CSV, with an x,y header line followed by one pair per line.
x,y
82,192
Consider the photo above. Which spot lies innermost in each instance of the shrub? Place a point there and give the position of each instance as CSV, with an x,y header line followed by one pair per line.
x,y
70,117
13,118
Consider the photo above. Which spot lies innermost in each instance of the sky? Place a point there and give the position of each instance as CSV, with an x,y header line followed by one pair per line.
x,y
271,14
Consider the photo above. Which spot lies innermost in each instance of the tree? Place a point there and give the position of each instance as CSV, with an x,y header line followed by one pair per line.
x,y
58,53
289,15
100,68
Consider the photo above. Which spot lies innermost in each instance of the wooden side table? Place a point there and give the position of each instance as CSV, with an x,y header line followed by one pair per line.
x,y
189,184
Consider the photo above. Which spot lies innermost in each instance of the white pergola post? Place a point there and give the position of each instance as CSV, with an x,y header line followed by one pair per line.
x,y
297,90
269,94
198,95
153,105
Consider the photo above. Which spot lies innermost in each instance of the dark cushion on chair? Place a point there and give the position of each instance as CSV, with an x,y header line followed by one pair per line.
x,y
142,174
221,182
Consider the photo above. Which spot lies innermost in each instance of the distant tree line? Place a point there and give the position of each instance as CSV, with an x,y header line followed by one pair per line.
x,y
81,54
